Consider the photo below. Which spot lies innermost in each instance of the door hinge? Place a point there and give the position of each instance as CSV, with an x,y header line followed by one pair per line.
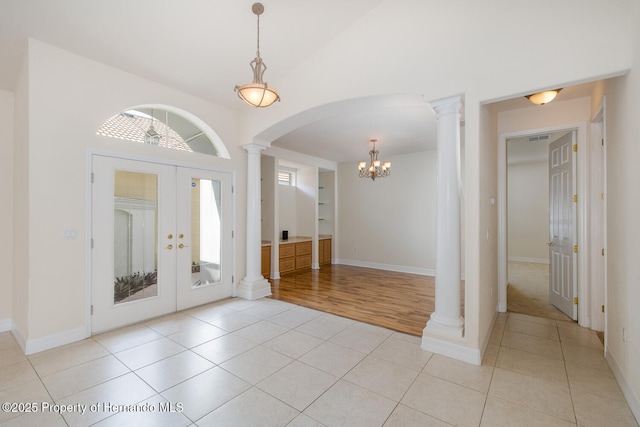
x,y
233,234
575,300
233,189
92,309
575,147
602,142
233,279
603,308
92,243
602,196
575,198
602,251
92,177
575,249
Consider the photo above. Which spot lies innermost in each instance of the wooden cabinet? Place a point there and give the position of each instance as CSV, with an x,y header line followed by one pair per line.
x,y
324,251
295,256
266,261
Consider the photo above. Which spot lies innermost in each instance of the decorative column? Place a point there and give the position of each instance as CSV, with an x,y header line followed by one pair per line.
x,y
253,286
446,319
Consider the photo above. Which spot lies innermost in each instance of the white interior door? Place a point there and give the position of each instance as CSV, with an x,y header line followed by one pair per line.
x,y
161,237
562,226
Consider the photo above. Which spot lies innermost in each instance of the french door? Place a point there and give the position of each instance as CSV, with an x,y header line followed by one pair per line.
x,y
562,225
161,239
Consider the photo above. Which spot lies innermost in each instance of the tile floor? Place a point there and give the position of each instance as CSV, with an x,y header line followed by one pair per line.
x,y
270,363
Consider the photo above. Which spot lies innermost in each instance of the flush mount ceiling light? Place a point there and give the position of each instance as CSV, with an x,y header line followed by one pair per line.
x,y
257,94
545,97
376,168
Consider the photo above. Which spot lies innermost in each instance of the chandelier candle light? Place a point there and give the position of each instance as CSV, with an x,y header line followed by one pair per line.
x,y
257,94
376,168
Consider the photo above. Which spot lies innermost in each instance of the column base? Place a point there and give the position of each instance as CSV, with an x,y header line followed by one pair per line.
x,y
254,289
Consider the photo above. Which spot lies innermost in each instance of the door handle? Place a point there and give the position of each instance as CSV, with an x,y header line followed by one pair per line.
x,y
169,246
181,246
549,243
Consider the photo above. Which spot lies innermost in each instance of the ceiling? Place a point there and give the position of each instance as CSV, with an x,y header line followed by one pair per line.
x,y
210,44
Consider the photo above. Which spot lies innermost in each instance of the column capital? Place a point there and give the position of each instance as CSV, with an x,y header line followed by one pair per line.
x,y
452,105
256,146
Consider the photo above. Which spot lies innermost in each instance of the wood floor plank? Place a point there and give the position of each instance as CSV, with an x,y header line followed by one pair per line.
x,y
399,301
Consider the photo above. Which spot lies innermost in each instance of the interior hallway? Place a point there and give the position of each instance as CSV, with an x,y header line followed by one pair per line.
x,y
272,363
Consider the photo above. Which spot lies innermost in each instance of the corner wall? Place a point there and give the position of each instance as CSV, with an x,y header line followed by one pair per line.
x,y
6,208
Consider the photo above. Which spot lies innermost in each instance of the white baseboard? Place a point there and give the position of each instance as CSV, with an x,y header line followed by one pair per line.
x,y
55,340
5,325
627,390
531,260
388,267
451,349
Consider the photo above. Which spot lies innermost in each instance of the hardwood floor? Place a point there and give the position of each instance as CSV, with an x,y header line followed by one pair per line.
x,y
398,301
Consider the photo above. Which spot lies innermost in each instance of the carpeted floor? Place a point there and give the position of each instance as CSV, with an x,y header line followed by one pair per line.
x,y
528,290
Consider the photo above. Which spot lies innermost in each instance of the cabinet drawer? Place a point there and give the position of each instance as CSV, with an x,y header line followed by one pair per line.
x,y
303,248
287,265
287,251
303,261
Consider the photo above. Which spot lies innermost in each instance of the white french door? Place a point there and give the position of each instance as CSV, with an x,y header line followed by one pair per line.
x,y
562,226
161,239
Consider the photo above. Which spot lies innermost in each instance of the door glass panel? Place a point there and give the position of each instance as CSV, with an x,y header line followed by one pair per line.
x,y
135,236
205,232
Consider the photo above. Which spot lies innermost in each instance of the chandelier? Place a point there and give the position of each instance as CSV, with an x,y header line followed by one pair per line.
x,y
376,168
151,137
257,94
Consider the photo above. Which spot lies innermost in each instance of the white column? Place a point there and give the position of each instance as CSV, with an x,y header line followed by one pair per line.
x,y
253,286
446,319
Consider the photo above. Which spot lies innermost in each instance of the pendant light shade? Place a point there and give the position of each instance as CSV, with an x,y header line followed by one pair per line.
x,y
257,93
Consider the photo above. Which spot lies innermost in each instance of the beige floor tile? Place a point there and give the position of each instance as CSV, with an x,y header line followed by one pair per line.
x,y
210,312
403,350
535,329
172,323
293,344
490,355
256,364
496,336
333,358
580,337
81,377
224,348
325,326
16,374
591,357
192,337
297,384
206,392
446,401
162,416
532,344
268,308
593,380
127,337
33,391
551,398
462,373
502,413
67,356
533,319
346,404
170,371
382,377
594,410
361,337
252,408
533,365
261,331
124,390
303,420
39,419
148,353
403,416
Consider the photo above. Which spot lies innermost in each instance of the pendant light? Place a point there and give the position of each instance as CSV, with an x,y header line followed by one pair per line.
x,y
151,137
257,94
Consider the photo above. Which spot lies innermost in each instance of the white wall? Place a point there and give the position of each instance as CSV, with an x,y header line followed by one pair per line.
x,y
6,207
306,201
69,98
623,232
528,208
390,222
288,209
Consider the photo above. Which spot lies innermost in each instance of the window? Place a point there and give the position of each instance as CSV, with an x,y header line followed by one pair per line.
x,y
286,177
